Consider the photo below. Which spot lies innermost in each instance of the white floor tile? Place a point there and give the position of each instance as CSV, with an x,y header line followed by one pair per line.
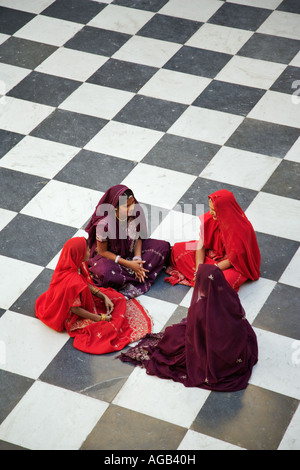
x,y
282,23
271,4
10,76
179,226
72,64
276,215
18,276
5,217
32,6
51,418
278,108
241,168
22,116
291,275
294,152
29,344
121,19
159,310
278,364
196,441
219,38
250,72
197,10
161,399
147,51
38,157
253,295
124,141
96,100
291,439
205,124
168,188
63,203
175,86
48,30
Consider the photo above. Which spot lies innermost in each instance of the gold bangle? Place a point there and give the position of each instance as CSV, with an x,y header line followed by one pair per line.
x,y
102,316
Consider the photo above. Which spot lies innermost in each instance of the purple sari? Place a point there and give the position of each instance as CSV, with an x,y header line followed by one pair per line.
x,y
121,238
214,348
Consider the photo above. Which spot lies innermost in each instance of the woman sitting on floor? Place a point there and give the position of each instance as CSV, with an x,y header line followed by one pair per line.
x,y
122,256
214,348
227,239
99,320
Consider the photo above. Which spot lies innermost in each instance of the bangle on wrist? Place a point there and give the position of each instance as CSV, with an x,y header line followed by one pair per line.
x,y
137,258
117,258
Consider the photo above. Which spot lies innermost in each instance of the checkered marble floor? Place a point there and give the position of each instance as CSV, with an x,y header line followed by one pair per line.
x,y
175,99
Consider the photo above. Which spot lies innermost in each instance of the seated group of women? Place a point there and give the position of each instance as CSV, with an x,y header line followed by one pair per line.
x,y
94,287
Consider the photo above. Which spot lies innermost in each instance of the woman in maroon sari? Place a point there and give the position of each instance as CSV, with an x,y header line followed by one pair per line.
x,y
227,239
122,256
214,348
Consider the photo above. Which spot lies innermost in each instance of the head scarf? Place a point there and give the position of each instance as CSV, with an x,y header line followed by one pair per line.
x,y
53,306
237,233
105,209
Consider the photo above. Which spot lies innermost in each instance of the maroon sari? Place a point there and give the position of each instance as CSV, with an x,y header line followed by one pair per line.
x,y
121,238
214,348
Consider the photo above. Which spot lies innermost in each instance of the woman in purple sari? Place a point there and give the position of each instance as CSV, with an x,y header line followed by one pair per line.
x,y
214,348
122,256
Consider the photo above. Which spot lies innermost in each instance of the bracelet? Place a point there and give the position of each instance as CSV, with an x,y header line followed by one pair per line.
x,y
137,258
102,316
117,258
95,290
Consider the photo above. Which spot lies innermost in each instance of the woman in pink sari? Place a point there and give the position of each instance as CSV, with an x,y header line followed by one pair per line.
x,y
214,348
122,257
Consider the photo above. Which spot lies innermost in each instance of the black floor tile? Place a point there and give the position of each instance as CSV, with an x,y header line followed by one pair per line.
x,y
12,388
37,242
165,291
276,253
272,48
97,41
150,113
95,170
17,189
255,418
24,53
124,429
181,154
154,5
79,11
240,16
263,137
285,180
44,89
201,188
69,128
199,62
169,28
279,314
229,97
291,6
12,20
8,140
100,377
288,82
122,75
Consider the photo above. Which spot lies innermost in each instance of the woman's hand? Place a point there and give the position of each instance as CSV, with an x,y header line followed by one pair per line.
x,y
138,268
108,304
103,317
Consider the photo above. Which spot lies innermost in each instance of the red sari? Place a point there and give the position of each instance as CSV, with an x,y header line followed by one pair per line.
x,y
69,287
230,237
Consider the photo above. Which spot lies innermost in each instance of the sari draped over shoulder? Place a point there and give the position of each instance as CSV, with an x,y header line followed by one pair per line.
x,y
69,287
230,237
214,348
121,239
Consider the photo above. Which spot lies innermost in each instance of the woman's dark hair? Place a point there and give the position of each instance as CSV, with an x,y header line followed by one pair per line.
x,y
128,193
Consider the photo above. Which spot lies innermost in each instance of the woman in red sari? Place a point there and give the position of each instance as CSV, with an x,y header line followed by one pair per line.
x,y
99,320
227,239
214,348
